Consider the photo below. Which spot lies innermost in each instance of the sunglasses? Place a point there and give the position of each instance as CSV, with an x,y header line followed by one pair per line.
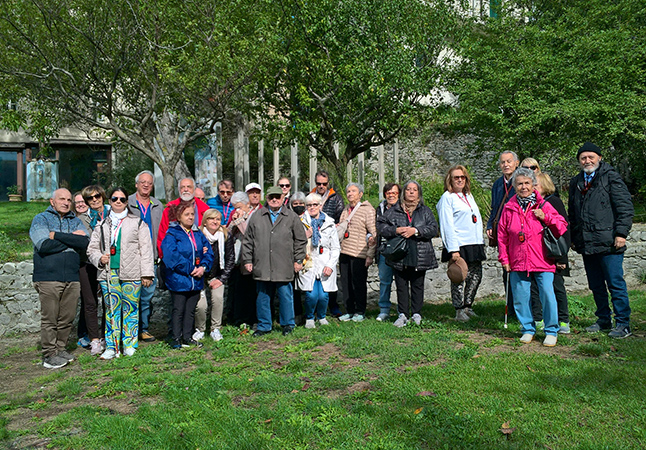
x,y
94,197
312,205
285,185
459,177
273,197
321,184
119,199
530,167
226,192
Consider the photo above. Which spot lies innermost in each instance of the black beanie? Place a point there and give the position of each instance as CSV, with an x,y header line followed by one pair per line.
x,y
588,147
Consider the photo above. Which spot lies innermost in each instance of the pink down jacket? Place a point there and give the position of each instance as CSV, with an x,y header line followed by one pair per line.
x,y
531,254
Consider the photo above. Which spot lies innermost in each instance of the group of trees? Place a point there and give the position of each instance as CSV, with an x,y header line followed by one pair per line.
x,y
540,78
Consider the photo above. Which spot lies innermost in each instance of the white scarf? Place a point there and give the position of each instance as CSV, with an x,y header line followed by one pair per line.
x,y
218,236
115,220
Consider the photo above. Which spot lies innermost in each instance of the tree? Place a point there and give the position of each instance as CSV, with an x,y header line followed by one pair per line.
x,y
546,76
157,75
354,73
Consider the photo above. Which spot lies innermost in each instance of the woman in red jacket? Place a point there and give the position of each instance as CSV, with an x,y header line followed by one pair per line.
x,y
522,252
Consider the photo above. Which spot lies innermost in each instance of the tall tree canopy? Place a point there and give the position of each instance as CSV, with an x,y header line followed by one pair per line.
x,y
548,75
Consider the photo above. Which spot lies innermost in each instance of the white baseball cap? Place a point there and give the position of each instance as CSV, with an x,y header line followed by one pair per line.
x,y
251,186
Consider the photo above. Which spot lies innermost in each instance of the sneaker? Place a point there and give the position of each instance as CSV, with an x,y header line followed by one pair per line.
x,y
336,313
461,315
146,337
564,328
358,318
192,343
401,321
216,335
54,362
595,328
417,319
323,321
540,325
287,329
66,356
84,342
620,332
95,347
345,318
175,344
309,323
526,338
260,333
198,335
109,354
470,312
383,317
129,351
550,340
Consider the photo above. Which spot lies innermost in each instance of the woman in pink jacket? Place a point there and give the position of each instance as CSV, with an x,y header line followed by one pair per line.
x,y
522,252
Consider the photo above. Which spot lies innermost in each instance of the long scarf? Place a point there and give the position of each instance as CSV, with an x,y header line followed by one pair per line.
x,y
115,219
316,227
409,207
218,236
528,201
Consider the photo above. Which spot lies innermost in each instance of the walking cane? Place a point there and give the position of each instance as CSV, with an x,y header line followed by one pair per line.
x,y
506,300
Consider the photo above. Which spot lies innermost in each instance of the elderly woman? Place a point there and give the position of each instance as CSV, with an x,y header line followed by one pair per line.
x,y
357,252
391,193
318,276
523,254
531,164
218,277
95,198
461,230
188,257
121,248
415,222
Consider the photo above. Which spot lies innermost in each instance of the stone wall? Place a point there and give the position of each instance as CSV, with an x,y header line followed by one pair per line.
x,y
20,308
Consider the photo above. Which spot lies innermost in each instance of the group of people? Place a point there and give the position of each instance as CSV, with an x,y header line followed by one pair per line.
x,y
290,252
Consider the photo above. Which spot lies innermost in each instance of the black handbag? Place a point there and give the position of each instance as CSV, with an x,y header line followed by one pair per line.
x,y
556,248
394,249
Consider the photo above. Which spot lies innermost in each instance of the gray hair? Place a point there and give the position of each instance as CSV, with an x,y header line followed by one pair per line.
x,y
357,185
314,197
297,196
239,197
188,178
419,191
510,153
523,172
143,172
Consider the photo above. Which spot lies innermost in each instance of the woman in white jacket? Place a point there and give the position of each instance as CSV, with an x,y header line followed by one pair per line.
x,y
318,276
461,230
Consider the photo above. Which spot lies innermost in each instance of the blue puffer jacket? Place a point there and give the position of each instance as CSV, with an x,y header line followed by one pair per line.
x,y
179,258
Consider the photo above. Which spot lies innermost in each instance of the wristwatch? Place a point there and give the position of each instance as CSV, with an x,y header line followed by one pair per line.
x,y
299,261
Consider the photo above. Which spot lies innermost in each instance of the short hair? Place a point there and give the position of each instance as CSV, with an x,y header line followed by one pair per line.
x,y
322,173
419,191
447,179
313,197
227,183
389,186
531,162
177,210
522,172
143,172
297,196
546,183
357,185
118,189
188,178
239,197
91,189
512,153
213,213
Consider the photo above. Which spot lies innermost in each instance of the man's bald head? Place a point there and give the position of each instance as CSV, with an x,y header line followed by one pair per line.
x,y
61,201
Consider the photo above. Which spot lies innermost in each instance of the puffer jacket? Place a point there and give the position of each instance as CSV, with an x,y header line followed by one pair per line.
x,y
602,213
179,257
531,254
362,223
421,252
136,259
328,258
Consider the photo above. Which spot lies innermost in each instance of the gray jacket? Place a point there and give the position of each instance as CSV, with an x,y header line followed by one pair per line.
x,y
156,211
274,248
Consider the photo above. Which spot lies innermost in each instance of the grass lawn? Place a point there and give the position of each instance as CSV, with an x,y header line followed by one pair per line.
x,y
345,386
15,220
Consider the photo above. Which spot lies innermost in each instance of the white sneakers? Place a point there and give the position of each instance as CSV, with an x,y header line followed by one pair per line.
x,y
526,338
198,335
110,354
309,323
216,335
129,351
323,322
550,340
401,321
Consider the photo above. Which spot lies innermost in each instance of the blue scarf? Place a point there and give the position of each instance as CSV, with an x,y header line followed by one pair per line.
x,y
316,227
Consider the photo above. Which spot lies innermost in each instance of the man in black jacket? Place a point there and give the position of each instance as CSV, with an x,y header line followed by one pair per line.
x,y
601,214
58,237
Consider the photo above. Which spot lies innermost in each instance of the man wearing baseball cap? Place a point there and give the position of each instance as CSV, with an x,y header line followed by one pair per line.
x,y
254,192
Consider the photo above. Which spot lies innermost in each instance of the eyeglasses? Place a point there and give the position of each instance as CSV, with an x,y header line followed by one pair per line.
x,y
392,193
94,197
312,205
530,167
459,177
285,185
321,184
226,192
82,202
298,204
145,183
119,199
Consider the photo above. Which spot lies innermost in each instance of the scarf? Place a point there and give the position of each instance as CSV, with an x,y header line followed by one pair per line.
x,y
528,201
115,219
409,207
316,229
219,237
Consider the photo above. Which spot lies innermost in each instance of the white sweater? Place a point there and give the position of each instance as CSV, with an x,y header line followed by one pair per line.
x,y
456,222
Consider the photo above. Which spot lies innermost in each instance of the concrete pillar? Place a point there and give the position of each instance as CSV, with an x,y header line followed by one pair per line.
x,y
20,172
261,165
313,167
294,166
218,136
382,175
238,157
276,164
396,160
348,172
246,171
361,161
160,191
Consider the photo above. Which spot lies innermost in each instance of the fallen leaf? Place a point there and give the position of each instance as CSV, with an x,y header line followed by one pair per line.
x,y
476,356
250,379
268,421
612,348
506,430
306,379
530,369
426,394
419,410
295,391
305,387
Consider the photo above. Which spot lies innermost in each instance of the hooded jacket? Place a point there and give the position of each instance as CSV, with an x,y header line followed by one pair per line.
x,y
333,206
179,259
602,213
200,208
530,255
326,254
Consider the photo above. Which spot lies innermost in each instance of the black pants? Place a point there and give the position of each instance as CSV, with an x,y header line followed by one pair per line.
x,y
561,300
410,290
354,278
242,295
184,304
88,318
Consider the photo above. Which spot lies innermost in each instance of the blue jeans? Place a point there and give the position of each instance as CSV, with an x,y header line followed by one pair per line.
x,y
285,296
605,274
145,305
316,302
521,285
385,285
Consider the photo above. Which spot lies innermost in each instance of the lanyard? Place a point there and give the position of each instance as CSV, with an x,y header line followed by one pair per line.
x,y
143,209
192,238
116,232
226,211
465,200
410,219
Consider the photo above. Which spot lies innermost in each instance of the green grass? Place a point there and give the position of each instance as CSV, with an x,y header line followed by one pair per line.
x,y
15,220
346,386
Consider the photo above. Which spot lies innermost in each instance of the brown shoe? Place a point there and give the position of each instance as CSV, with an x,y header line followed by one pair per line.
x,y
146,337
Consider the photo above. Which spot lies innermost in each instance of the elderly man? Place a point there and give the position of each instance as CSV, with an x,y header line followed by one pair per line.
x,y
254,192
601,214
222,201
200,195
186,193
59,237
332,202
149,210
273,250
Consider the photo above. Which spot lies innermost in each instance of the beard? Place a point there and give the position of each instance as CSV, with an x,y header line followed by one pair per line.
x,y
186,196
590,169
